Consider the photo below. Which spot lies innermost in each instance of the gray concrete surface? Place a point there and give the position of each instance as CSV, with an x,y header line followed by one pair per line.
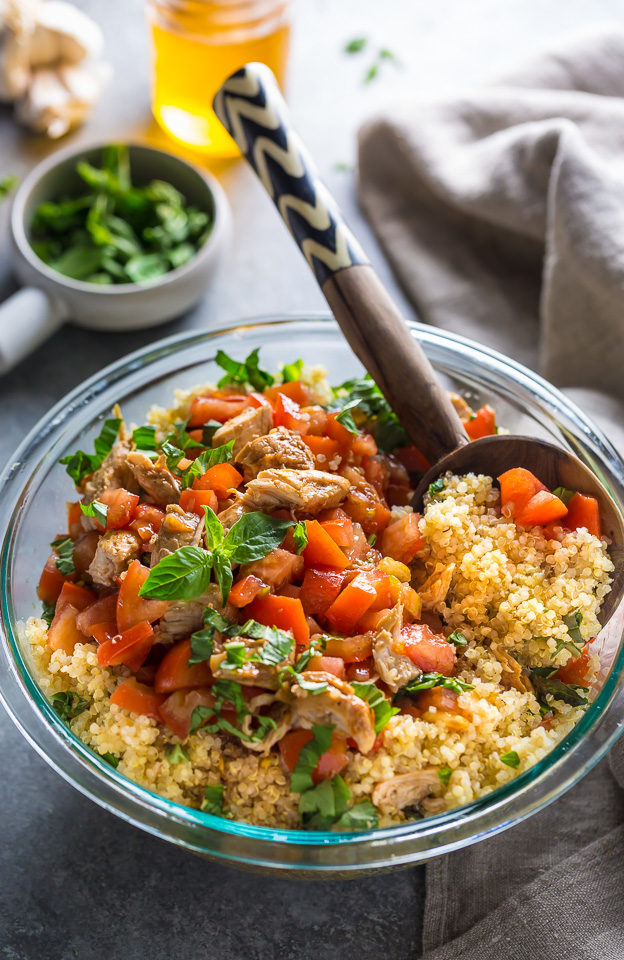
x,y
74,881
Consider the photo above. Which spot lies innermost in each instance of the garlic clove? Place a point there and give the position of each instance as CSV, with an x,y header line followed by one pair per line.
x,y
14,66
58,100
63,34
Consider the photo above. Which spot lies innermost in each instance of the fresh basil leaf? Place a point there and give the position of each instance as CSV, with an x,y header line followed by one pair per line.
x,y
301,776
214,529
253,536
247,372
436,487
146,267
210,458
457,638
182,575
314,649
292,371
79,465
78,262
235,654
97,510
208,431
214,619
387,430
573,622
356,45
144,439
173,455
110,758
511,759
322,806
428,680
49,609
201,645
7,182
345,417
213,800
64,547
300,534
361,816
545,684
223,573
444,775
371,539
200,714
378,703
312,686
108,435
389,434
277,648
68,705
569,646
563,494
175,753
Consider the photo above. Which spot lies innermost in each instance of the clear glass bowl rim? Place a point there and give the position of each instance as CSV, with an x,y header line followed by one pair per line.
x,y
261,848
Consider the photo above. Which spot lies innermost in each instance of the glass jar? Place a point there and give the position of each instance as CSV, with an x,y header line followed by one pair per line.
x,y
196,45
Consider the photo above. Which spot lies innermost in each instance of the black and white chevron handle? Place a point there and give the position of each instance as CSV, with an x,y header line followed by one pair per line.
x,y
252,110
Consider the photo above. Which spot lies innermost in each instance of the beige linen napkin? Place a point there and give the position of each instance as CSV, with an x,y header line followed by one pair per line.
x,y
502,213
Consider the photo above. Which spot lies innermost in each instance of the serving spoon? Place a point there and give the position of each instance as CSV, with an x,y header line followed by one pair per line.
x,y
252,109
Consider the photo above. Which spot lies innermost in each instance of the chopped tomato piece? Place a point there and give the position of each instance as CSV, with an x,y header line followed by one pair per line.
x,y
63,633
121,506
440,698
285,613
402,539
431,653
584,511
350,649
363,503
324,449
221,478
377,473
317,420
363,446
131,608
194,501
130,648
319,589
148,520
104,631
288,414
278,567
412,604
333,665
340,530
353,602
289,590
51,581
102,610
336,431
330,763
576,670
84,551
245,590
294,390
217,407
483,424
383,600
412,459
372,619
74,519
174,671
138,698
78,597
322,550
517,487
543,508
362,671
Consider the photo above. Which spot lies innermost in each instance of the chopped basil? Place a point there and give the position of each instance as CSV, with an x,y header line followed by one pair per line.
x,y
436,487
378,703
64,547
203,463
111,758
444,775
213,800
277,648
300,534
182,575
201,645
97,510
214,529
563,494
321,806
228,690
49,609
345,417
384,423
314,649
144,439
208,431
245,372
68,705
309,755
292,371
546,684
457,638
511,759
371,539
175,753
362,815
81,464
356,45
235,654
428,680
311,686
573,622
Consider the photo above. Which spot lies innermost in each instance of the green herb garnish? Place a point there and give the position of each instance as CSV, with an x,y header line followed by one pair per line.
x,y
436,487
309,755
292,371
300,534
144,439
545,683
457,638
563,494
81,464
428,680
378,703
211,719
511,759
47,614
110,758
356,45
444,775
7,182
345,417
243,372
68,705
175,753
213,800
97,510
573,622
64,547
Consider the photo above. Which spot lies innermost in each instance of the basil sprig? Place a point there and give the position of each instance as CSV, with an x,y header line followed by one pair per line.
x,y
68,705
428,680
81,464
97,510
64,547
376,700
243,372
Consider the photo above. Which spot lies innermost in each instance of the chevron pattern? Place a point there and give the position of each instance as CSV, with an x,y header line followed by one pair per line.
x,y
252,109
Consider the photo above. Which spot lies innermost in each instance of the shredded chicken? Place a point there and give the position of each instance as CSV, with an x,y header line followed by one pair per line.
x,y
179,529
279,448
406,790
251,423
280,714
436,586
309,490
113,472
463,411
184,617
512,676
115,551
338,705
155,478
252,672
231,514
395,669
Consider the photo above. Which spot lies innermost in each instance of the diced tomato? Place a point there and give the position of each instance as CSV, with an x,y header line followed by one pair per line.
x,y
104,631
51,581
217,407
431,653
138,698
336,431
63,633
483,424
102,610
372,619
221,478
148,520
412,604
321,549
177,709
363,503
294,390
440,698
285,613
74,519
384,598
340,530
121,506
517,487
278,567
245,590
317,420
377,473
363,446
412,459
323,449
78,597
84,551
319,589
584,511
289,590
576,670
352,603
330,763
259,400
362,671
360,546
131,608
288,414
402,539
543,508
333,665
193,501
174,671
130,648
350,649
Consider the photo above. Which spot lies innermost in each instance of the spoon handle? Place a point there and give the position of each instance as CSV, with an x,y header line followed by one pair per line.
x,y
252,109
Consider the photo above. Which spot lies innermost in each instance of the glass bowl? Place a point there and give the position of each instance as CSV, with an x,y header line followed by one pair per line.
x,y
34,488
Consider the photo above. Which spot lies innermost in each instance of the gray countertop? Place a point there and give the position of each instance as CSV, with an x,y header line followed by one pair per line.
x,y
74,880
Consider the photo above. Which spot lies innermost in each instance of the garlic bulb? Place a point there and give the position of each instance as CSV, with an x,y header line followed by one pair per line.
x,y
60,99
63,34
